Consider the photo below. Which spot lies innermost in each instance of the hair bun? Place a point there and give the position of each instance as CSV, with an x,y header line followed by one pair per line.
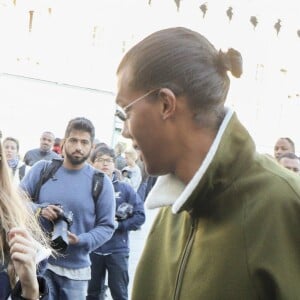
x,y
231,61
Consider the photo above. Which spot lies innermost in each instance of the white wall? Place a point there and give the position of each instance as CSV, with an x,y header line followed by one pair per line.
x,y
29,107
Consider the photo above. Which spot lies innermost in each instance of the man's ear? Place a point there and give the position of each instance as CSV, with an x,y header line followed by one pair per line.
x,y
168,102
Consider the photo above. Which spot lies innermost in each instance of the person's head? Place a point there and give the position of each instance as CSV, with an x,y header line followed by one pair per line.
x,y
14,212
78,141
171,82
283,145
102,158
11,148
46,141
131,156
98,143
57,145
290,161
120,148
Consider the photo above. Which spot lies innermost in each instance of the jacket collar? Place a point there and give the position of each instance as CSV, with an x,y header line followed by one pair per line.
x,y
220,167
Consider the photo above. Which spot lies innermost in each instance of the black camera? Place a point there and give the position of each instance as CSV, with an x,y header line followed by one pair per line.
x,y
59,239
124,211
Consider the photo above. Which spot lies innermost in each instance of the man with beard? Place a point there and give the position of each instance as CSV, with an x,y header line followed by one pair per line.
x,y
69,193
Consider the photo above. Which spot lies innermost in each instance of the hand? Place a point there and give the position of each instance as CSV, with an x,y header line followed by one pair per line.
x,y
116,224
23,252
51,212
73,238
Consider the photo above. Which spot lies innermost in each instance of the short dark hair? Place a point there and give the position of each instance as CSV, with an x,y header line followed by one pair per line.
x,y
83,124
102,150
289,155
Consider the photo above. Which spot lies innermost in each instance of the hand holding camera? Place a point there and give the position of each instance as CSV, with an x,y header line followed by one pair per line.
x,y
51,212
61,226
124,211
62,221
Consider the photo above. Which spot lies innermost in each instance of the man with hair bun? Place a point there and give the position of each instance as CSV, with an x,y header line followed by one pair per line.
x,y
229,218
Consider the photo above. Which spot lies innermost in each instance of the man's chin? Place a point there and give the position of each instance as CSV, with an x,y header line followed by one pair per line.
x,y
77,161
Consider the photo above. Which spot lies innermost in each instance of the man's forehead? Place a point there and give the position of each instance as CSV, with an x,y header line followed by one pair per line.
x,y
79,133
47,136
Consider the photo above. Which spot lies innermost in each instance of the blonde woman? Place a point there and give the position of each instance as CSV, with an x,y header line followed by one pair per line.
x,y
21,242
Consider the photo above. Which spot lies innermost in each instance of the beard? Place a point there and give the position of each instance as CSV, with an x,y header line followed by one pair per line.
x,y
76,160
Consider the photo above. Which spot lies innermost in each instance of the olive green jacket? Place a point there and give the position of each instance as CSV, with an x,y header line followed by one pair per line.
x,y
233,232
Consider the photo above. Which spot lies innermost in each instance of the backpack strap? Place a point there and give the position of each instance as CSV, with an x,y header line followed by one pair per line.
x,y
22,171
47,172
97,185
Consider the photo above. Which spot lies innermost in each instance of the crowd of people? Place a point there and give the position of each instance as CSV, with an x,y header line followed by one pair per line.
x,y
95,249
228,219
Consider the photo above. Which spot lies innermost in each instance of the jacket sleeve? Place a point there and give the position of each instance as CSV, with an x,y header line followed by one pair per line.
x,y
44,291
138,217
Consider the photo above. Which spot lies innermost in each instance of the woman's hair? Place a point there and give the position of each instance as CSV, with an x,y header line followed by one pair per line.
x,y
14,212
185,62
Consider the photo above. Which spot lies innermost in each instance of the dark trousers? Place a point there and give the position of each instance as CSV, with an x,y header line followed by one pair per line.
x,y
116,266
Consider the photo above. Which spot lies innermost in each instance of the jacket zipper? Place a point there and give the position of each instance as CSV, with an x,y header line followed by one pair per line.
x,y
184,260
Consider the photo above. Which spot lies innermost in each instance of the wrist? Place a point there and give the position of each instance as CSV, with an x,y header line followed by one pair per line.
x,y
30,296
37,290
36,298
31,293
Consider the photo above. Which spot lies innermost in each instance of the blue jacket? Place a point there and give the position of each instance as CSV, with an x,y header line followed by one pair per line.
x,y
119,243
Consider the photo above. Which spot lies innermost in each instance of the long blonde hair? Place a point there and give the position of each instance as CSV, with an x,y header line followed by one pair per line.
x,y
14,212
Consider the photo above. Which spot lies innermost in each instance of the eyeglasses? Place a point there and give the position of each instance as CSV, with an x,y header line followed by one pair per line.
x,y
104,160
121,113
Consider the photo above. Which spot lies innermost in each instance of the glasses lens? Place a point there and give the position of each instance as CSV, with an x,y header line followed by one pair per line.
x,y
120,114
104,160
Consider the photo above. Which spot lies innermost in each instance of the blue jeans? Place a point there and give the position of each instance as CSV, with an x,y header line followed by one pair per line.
x,y
63,288
116,266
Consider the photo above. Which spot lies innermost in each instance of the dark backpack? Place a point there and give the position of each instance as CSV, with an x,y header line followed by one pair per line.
x,y
49,171
22,171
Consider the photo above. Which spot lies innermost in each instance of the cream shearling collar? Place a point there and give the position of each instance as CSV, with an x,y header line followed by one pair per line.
x,y
170,191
